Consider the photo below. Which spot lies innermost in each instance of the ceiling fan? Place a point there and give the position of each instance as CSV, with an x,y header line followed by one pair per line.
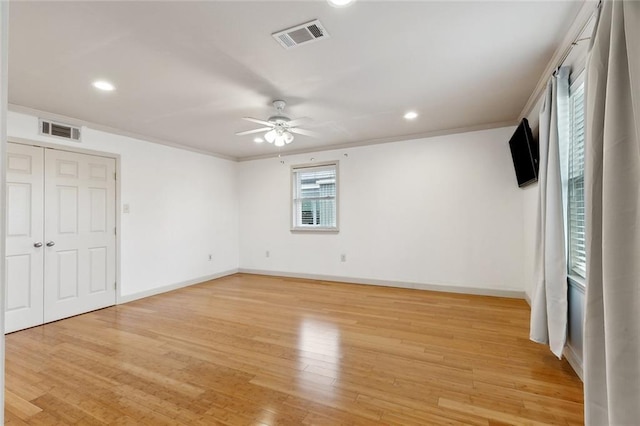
x,y
279,128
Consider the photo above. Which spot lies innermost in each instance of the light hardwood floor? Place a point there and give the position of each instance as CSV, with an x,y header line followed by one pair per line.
x,y
260,350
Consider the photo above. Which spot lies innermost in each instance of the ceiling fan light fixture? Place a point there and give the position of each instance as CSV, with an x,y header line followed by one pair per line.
x,y
279,141
279,128
288,137
270,136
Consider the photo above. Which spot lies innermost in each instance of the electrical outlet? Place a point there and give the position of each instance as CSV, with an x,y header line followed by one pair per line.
x,y
267,254
343,258
210,257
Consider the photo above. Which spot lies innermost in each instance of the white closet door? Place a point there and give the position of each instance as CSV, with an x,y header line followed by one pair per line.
x,y
24,250
79,234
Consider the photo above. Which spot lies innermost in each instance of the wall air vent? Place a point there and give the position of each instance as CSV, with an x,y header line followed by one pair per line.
x,y
59,130
301,34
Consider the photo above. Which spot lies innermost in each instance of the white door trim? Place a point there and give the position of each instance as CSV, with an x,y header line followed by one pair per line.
x,y
80,150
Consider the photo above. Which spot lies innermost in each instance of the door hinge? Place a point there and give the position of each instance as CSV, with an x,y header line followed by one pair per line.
x,y
115,231
115,175
115,285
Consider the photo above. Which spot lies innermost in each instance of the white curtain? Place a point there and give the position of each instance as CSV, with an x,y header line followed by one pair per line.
x,y
612,198
549,302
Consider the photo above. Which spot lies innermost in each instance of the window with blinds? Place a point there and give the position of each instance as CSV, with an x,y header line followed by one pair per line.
x,y
315,197
576,225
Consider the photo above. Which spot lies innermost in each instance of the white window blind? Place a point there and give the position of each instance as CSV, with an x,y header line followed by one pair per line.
x,y
577,254
315,197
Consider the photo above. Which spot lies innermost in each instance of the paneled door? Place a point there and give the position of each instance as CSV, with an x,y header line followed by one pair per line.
x,y
24,263
80,226
61,254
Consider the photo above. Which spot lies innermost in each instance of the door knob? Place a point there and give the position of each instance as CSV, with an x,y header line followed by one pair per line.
x,y
38,244
51,243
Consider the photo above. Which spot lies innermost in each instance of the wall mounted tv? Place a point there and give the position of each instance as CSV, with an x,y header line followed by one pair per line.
x,y
524,151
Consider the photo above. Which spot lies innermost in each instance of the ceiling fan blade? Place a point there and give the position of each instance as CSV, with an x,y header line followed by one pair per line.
x,y
248,132
255,120
297,121
304,132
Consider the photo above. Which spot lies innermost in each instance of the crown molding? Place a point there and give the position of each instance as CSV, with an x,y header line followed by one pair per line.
x,y
402,138
112,130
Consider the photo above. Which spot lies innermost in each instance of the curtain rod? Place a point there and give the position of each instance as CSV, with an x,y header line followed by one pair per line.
x,y
575,42
568,52
587,8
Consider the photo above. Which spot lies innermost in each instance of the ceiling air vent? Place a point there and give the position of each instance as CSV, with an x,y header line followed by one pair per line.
x,y
59,130
301,34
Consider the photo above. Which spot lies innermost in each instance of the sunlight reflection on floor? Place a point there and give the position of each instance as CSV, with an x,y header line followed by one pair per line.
x,y
319,357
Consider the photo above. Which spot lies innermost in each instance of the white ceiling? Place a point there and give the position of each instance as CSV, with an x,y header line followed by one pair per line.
x,y
186,72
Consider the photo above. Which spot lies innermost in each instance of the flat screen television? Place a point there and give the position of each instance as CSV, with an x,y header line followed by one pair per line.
x,y
524,151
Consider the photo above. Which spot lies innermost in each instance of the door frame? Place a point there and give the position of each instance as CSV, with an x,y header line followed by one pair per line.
x,y
80,150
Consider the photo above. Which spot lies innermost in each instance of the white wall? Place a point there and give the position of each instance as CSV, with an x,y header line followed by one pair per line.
x,y
183,207
438,211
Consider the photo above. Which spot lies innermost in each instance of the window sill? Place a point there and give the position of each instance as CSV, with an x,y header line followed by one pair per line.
x,y
577,282
315,230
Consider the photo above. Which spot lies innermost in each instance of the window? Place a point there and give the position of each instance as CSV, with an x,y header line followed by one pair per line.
x,y
577,253
315,197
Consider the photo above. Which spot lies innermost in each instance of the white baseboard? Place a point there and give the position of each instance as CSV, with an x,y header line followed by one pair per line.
x,y
574,361
515,294
175,286
527,298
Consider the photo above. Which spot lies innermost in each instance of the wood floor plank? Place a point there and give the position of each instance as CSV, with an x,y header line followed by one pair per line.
x,y
20,407
255,350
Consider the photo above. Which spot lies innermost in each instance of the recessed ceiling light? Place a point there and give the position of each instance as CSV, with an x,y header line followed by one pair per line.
x,y
411,115
340,3
103,85
258,140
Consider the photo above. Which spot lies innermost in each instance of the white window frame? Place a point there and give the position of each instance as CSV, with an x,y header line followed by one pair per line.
x,y
299,227
575,272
